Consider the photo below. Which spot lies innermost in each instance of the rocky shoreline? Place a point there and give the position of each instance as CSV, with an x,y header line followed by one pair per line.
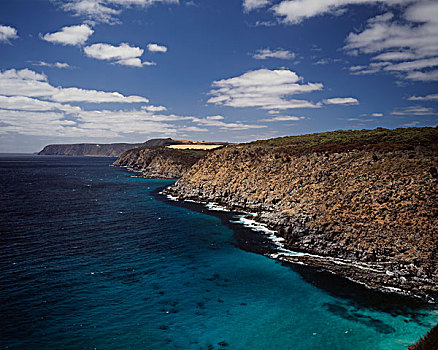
x,y
158,162
378,276
367,214
360,204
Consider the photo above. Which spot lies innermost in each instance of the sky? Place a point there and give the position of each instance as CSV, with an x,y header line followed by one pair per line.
x,y
106,71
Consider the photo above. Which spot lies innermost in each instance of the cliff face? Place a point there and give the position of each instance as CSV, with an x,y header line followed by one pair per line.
x,y
159,162
103,150
372,204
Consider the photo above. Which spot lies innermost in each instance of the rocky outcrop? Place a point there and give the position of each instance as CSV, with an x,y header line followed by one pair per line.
x,y
159,162
428,342
103,150
362,204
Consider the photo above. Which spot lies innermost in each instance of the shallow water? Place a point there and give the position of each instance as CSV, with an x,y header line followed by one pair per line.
x,y
91,259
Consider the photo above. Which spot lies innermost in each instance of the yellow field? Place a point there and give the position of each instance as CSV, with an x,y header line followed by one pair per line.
x,y
202,147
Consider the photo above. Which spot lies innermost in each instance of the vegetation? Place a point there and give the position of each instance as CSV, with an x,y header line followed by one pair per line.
x,y
379,139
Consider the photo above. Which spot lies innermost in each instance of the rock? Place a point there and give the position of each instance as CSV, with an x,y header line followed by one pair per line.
x,y
333,201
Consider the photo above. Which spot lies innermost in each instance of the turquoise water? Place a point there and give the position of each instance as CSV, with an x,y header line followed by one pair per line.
x,y
90,259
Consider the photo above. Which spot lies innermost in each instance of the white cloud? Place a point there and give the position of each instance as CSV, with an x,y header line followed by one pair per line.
x,y
92,9
53,65
194,128
154,108
377,114
263,88
414,65
282,118
110,52
216,121
414,110
432,97
342,101
124,54
28,83
23,74
249,5
407,45
106,11
73,35
413,123
156,48
24,103
134,62
7,33
360,120
74,94
30,105
395,56
423,76
263,54
296,11
88,124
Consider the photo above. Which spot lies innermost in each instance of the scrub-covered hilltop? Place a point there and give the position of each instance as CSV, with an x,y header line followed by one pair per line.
x,y
363,203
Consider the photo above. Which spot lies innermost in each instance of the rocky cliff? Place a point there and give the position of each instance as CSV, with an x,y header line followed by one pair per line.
x,y
103,150
362,204
159,162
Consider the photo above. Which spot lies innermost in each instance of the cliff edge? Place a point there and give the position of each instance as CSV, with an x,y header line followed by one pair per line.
x,y
361,204
102,150
159,162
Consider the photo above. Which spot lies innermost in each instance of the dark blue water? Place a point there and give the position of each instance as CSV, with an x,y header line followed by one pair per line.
x,y
90,259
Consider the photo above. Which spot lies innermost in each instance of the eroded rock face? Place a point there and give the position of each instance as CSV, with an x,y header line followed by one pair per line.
x,y
159,162
373,207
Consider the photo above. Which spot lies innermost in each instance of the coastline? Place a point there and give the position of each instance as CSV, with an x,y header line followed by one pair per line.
x,y
257,237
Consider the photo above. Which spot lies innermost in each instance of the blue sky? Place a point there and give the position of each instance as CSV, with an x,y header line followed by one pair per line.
x,y
129,70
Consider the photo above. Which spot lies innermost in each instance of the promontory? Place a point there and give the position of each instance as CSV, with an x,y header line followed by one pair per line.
x,y
362,204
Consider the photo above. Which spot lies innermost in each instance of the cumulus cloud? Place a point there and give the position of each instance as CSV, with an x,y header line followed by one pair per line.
x,y
406,45
134,62
432,97
30,105
263,54
263,88
249,5
156,48
341,101
24,103
151,108
53,65
282,118
124,54
7,33
110,52
73,35
106,11
87,124
28,83
296,11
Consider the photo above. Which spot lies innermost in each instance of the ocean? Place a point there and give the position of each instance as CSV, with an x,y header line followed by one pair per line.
x,y
93,258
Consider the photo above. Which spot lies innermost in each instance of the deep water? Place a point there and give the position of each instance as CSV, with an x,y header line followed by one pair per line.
x,y
90,259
